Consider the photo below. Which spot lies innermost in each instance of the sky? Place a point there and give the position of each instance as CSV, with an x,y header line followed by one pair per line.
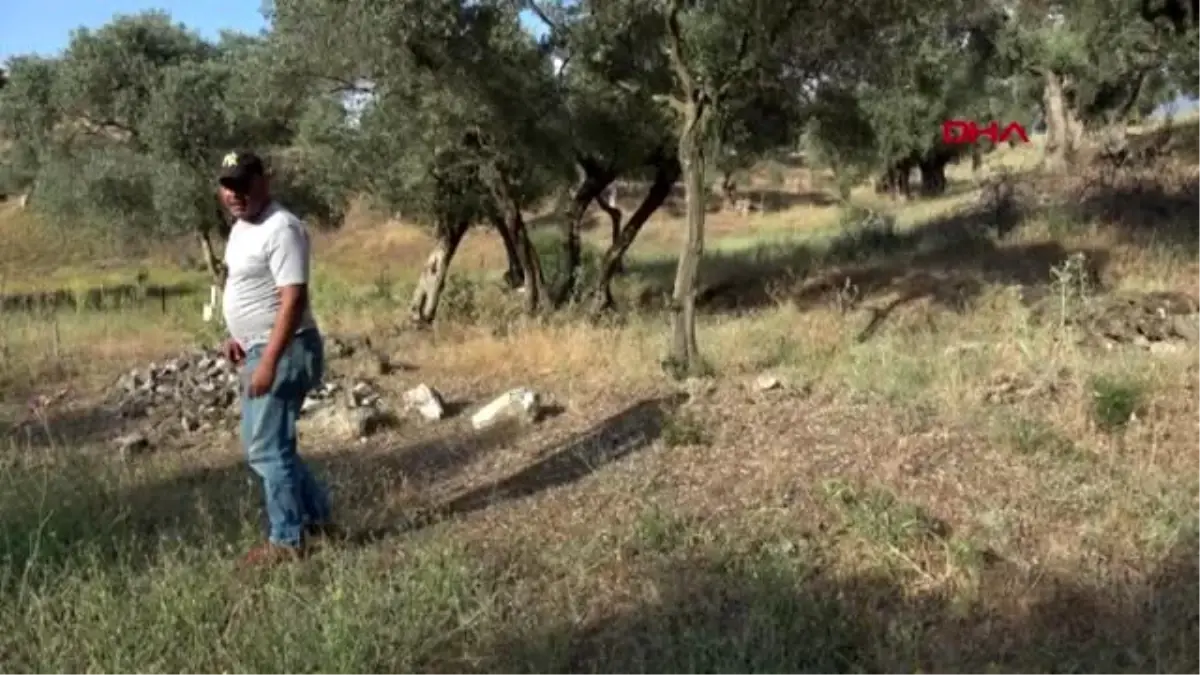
x,y
44,26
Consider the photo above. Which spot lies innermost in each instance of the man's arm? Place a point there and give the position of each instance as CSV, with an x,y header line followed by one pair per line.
x,y
292,300
288,260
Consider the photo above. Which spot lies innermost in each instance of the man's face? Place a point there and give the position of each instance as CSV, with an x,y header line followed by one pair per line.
x,y
247,200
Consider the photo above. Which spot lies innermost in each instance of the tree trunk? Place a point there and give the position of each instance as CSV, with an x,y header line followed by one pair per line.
x,y
428,292
508,209
728,189
666,172
684,355
896,179
514,277
1063,129
527,257
933,176
217,273
614,217
593,184
216,268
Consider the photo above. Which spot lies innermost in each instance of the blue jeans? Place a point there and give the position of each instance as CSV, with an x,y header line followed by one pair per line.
x,y
293,496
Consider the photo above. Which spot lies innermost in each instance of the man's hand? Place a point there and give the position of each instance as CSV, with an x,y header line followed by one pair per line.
x,y
233,351
261,379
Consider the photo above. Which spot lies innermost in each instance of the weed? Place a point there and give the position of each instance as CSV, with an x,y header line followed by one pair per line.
x,y
878,515
1115,400
1034,437
685,428
659,531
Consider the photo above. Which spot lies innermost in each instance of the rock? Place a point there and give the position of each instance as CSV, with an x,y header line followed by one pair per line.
x,y
520,404
427,401
1164,348
310,403
767,382
189,423
1186,327
329,420
368,420
132,444
360,395
344,422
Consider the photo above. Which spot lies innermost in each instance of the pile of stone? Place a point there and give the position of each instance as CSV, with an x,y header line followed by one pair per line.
x,y
198,391
199,388
1161,321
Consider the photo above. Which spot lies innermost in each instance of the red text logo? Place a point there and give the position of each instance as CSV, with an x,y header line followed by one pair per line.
x,y
965,131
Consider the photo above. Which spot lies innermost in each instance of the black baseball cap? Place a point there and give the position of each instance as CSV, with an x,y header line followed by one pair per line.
x,y
238,168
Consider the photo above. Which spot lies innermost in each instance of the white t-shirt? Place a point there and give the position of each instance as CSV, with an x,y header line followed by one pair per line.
x,y
260,257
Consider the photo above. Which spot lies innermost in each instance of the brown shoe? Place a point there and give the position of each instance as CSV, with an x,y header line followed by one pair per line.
x,y
270,554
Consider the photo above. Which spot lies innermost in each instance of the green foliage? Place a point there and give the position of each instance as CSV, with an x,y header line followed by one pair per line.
x,y
27,116
98,186
126,128
840,136
463,119
1115,400
467,116
1114,63
937,67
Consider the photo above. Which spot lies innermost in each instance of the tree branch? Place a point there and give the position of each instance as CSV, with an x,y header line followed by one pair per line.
x,y
675,48
108,125
674,102
533,6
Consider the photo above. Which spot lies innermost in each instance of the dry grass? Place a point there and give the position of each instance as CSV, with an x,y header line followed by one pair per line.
x,y
965,486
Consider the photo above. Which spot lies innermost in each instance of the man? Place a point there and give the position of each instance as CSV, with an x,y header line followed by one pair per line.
x,y
275,340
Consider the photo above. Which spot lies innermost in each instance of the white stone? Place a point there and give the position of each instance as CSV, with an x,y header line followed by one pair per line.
x,y
521,404
426,401
767,382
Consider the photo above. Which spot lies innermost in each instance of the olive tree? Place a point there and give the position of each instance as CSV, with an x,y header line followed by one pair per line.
x,y
128,126
464,124
721,50
1091,65
28,118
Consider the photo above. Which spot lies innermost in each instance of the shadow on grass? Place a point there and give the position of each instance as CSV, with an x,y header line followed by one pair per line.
x,y
610,440
66,510
949,260
725,613
1144,210
60,429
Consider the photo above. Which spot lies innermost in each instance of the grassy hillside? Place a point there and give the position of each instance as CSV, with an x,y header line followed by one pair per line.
x,y
972,461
